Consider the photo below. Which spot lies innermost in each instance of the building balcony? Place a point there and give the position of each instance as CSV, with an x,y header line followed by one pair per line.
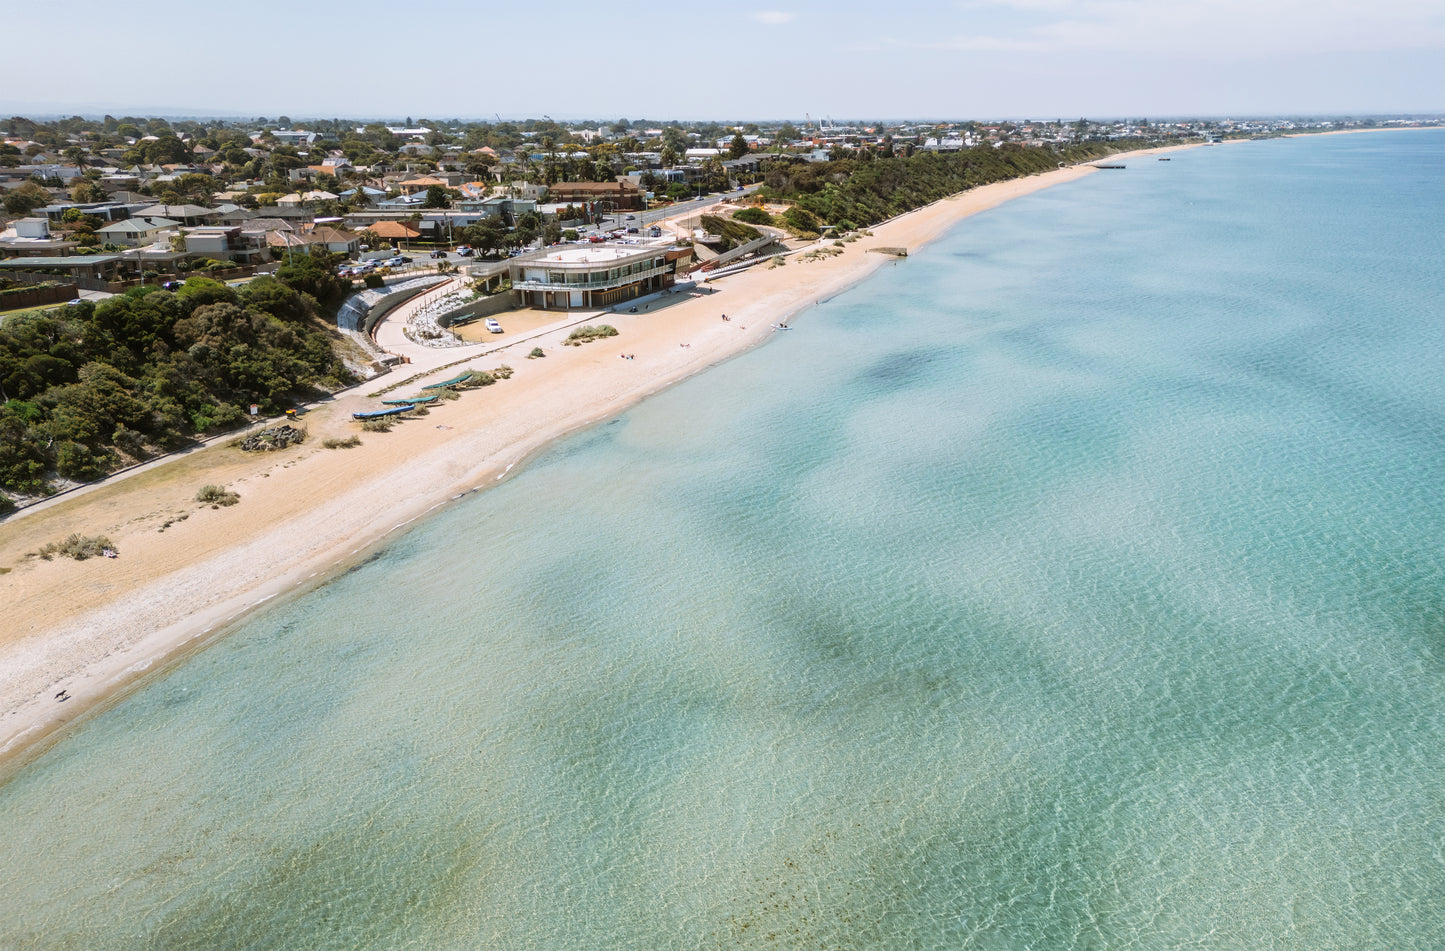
x,y
597,285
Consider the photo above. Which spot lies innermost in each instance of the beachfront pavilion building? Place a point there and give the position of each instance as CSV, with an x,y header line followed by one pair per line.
x,y
584,277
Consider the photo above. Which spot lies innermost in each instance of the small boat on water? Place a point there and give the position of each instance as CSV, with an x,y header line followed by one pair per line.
x,y
381,413
1163,158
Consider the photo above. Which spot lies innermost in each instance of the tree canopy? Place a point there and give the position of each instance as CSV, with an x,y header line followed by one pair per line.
x,y
91,387
851,191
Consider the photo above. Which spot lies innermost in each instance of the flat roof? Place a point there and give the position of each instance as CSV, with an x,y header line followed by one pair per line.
x,y
73,261
591,254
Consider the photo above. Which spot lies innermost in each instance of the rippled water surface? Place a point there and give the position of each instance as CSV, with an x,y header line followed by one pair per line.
x,y
1075,583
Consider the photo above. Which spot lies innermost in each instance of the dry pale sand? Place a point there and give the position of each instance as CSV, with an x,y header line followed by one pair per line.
x,y
95,627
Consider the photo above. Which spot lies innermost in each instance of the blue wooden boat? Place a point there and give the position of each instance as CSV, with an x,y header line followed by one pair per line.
x,y
452,382
412,401
380,413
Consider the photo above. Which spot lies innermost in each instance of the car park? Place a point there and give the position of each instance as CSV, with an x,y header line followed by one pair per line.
x,y
492,326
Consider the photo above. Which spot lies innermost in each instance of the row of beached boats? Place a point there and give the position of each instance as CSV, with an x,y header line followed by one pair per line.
x,y
398,406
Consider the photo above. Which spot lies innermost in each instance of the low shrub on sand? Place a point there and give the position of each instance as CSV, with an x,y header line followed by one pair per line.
x,y
536,352
588,333
80,547
216,496
350,442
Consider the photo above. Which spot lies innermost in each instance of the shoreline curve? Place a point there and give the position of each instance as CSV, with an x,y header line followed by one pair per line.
x,y
188,574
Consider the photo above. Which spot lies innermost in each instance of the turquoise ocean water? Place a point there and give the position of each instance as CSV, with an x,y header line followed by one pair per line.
x,y
1077,582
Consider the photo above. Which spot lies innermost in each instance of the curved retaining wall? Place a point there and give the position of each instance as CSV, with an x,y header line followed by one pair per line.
x,y
361,311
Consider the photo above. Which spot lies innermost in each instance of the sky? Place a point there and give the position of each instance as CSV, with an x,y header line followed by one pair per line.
x,y
774,59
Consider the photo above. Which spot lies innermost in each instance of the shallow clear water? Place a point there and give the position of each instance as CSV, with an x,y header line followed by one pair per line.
x,y
1077,582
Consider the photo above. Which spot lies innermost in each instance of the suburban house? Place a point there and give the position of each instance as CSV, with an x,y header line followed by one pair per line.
x,y
229,214
193,215
393,232
134,232
231,243
403,203
322,236
526,190
420,184
93,266
365,194
289,136
31,237
105,210
260,227
621,195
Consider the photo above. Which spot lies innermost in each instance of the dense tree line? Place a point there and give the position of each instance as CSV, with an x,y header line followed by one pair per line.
x,y
88,388
865,190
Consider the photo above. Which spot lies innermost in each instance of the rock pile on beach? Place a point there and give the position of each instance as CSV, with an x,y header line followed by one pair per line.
x,y
277,437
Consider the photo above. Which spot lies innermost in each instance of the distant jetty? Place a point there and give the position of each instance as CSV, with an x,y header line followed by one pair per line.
x,y
1109,165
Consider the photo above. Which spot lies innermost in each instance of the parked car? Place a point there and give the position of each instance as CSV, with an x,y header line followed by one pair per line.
x,y
654,232
492,325
465,250
404,259
631,217
438,254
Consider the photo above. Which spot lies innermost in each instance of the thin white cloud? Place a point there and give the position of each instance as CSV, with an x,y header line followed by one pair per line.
x,y
1228,26
774,17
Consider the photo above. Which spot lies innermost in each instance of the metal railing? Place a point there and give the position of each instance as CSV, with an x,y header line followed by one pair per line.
x,y
620,281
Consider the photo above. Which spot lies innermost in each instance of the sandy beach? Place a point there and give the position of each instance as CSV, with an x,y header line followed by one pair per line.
x,y
187,572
